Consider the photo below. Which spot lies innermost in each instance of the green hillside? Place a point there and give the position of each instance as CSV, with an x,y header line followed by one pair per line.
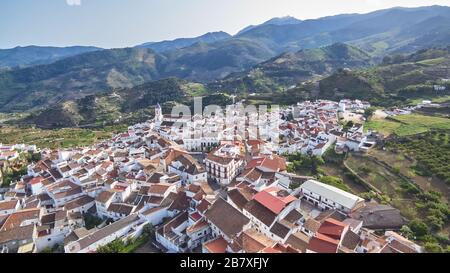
x,y
397,79
291,69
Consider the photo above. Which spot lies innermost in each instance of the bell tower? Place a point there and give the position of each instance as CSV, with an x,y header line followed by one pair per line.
x,y
158,114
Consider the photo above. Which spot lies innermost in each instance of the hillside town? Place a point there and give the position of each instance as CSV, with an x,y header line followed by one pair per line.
x,y
211,192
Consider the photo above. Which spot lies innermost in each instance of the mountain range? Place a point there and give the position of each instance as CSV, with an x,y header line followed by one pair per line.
x,y
292,68
164,46
35,55
393,81
277,55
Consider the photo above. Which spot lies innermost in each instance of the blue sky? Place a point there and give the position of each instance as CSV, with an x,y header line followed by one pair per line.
x,y
120,23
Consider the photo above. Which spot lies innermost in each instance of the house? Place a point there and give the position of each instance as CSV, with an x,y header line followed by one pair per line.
x,y
328,197
271,163
63,192
81,204
126,228
328,238
37,186
187,168
267,209
173,234
198,232
238,198
118,211
224,163
225,220
399,244
8,207
251,241
18,231
154,215
102,202
55,226
13,240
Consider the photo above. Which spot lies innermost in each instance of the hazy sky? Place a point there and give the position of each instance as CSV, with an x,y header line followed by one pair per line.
x,y
120,23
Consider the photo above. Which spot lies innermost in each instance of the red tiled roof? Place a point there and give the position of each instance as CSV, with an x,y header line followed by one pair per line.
x,y
332,228
269,201
271,162
323,244
195,216
218,245
274,203
36,180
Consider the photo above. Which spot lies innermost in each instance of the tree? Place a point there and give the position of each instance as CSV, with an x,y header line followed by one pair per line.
x,y
348,126
406,232
149,231
369,112
335,182
418,227
433,248
115,246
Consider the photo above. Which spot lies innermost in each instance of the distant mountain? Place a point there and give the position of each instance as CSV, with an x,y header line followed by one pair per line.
x,y
102,71
185,42
289,69
207,62
77,76
35,55
287,20
380,33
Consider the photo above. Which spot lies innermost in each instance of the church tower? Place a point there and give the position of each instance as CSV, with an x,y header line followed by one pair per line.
x,y
158,114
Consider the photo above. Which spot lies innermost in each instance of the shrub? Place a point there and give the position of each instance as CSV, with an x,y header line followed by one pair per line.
x,y
418,227
433,248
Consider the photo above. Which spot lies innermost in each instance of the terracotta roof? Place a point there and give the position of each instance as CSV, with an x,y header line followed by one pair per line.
x,y
197,226
203,206
293,216
123,209
218,245
272,162
17,234
104,196
219,159
312,225
180,202
323,244
8,205
245,242
332,228
36,180
269,201
81,201
17,218
158,189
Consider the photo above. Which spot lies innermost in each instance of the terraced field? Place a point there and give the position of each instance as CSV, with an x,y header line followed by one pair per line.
x,y
406,125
